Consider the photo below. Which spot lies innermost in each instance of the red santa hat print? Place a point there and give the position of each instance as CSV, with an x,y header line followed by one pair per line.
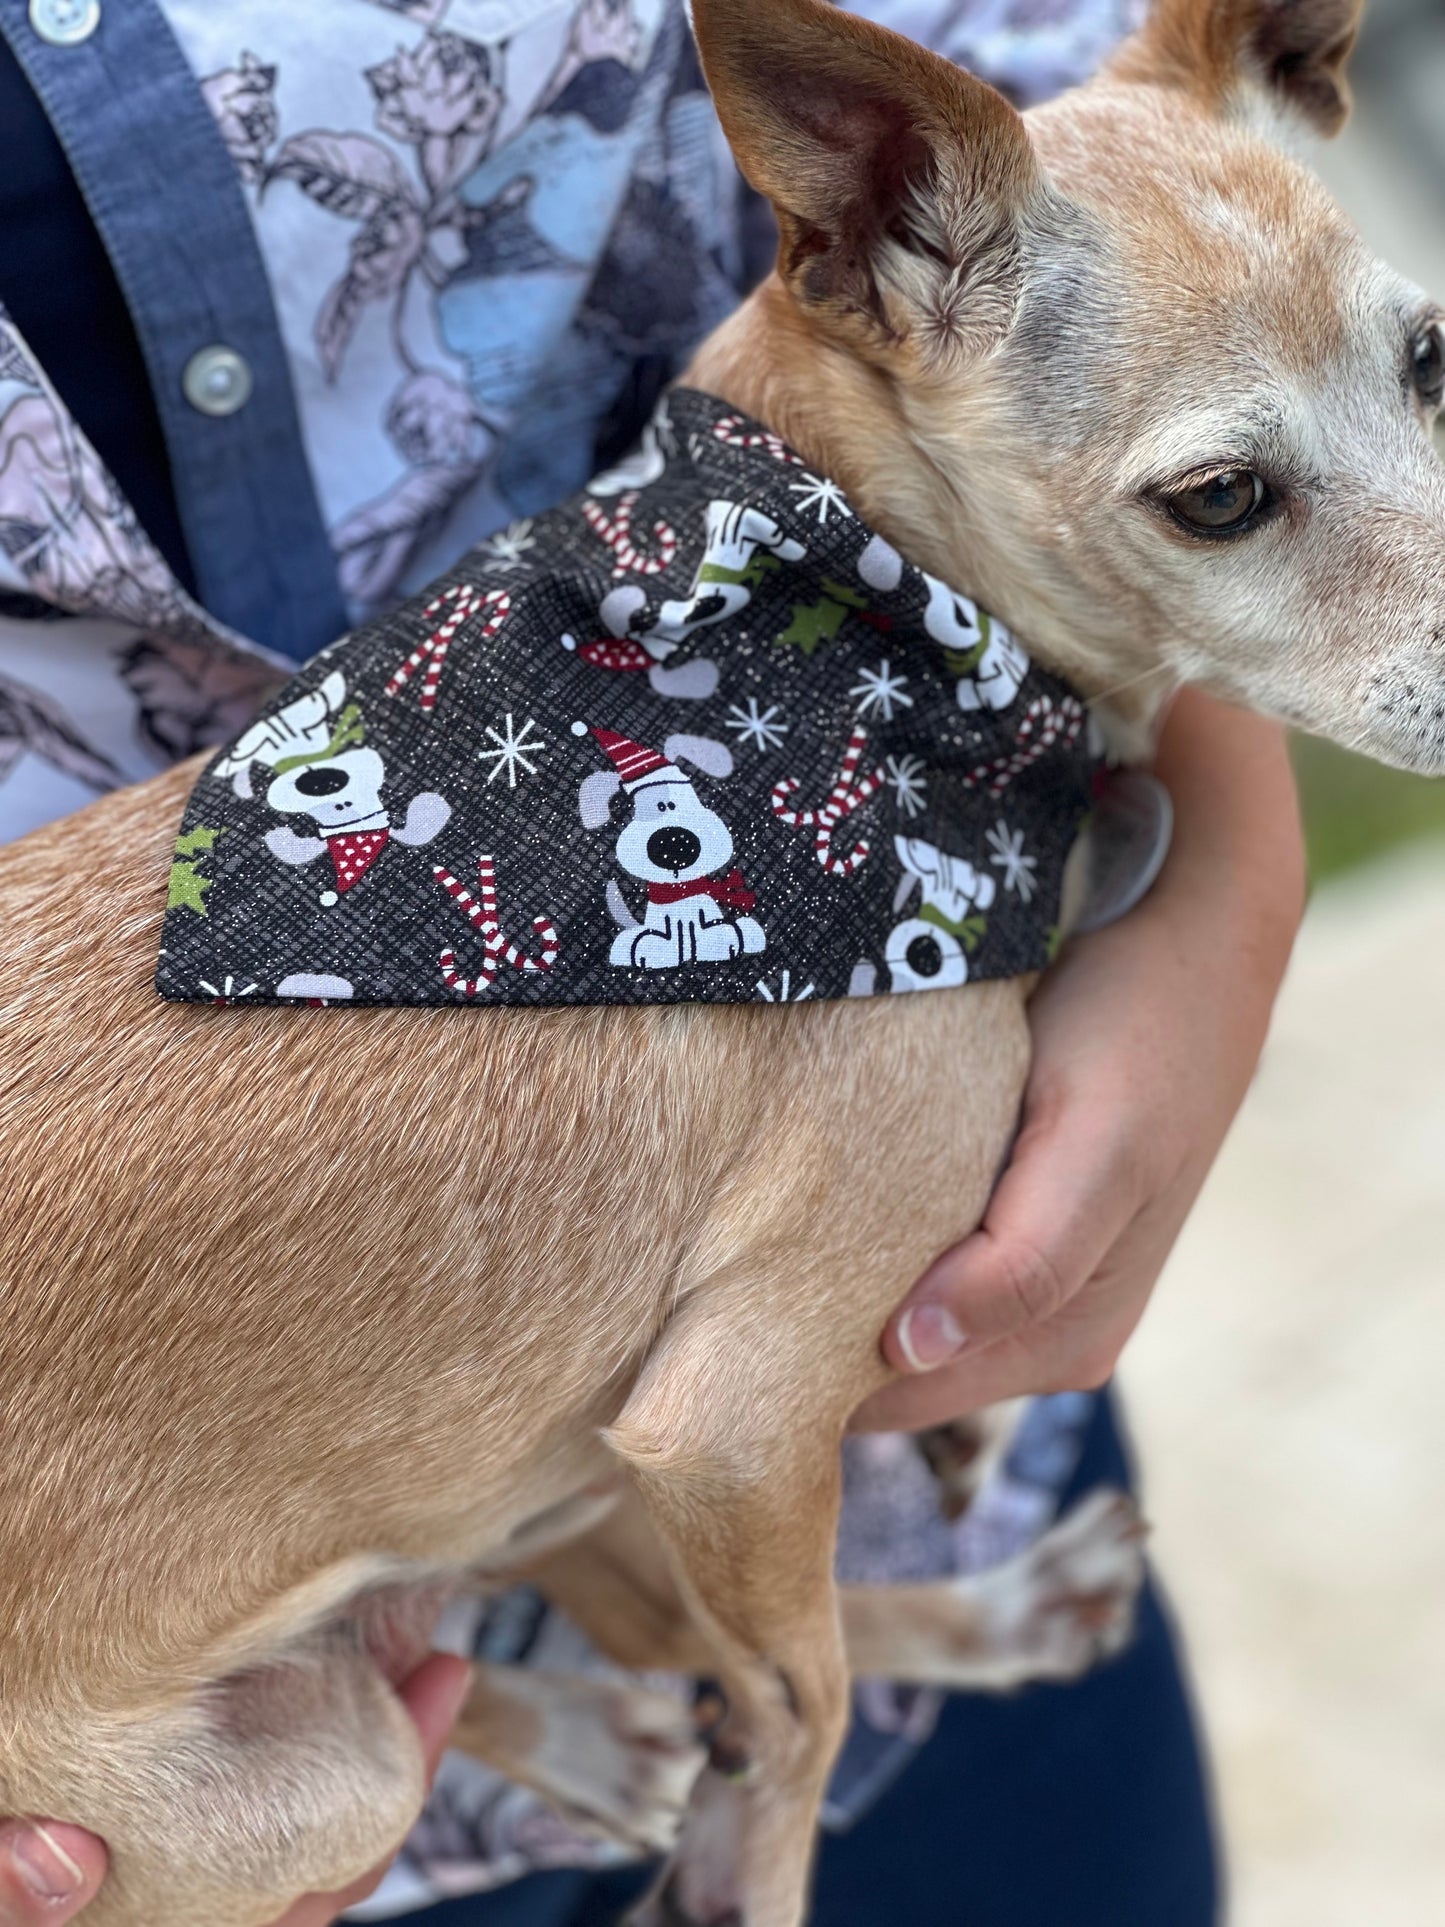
x,y
631,760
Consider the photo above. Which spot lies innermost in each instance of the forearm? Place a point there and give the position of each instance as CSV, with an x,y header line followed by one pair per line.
x,y
1236,869
1146,1035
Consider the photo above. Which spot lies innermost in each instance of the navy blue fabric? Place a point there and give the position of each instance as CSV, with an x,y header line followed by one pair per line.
x,y
1080,1806
164,195
60,290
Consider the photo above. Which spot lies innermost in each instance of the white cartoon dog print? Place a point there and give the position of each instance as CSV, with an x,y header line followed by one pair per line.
x,y
929,950
742,545
991,665
320,767
676,845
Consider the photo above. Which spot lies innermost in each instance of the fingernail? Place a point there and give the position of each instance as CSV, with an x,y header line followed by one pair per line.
x,y
928,1336
44,1865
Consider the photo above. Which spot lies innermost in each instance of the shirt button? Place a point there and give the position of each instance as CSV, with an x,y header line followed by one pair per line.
x,y
65,23
217,381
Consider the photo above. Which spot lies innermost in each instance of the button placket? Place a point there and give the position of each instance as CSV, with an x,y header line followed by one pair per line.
x,y
64,23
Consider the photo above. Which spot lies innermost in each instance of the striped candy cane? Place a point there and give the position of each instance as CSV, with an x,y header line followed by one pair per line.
x,y
847,794
1045,723
733,431
433,652
481,910
616,532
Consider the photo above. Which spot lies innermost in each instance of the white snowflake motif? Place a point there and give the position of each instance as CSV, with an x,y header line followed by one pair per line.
x,y
785,992
879,689
814,492
514,751
906,780
1018,869
508,546
758,727
229,990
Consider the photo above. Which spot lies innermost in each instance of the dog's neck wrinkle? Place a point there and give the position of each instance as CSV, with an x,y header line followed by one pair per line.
x,y
850,421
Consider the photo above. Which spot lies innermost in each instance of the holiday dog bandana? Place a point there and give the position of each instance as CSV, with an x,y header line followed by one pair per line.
x,y
697,736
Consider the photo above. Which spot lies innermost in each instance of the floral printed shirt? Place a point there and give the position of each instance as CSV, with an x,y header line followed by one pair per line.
x,y
450,251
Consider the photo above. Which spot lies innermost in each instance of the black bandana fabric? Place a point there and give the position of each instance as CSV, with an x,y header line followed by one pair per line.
x,y
697,736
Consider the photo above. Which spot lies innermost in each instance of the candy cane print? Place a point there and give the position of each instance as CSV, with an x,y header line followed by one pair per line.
x,y
847,794
1044,724
433,652
481,910
616,532
732,430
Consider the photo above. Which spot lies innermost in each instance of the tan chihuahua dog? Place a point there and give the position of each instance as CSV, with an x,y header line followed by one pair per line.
x,y
1120,369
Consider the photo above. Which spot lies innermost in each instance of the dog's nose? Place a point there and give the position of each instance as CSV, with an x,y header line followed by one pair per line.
x,y
673,848
322,782
924,956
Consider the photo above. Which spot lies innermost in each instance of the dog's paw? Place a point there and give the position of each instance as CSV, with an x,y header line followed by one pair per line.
x,y
616,1759
701,1888
1069,1601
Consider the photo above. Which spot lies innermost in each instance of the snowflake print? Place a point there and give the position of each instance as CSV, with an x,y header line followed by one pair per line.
x,y
814,492
1018,869
229,991
879,689
508,546
514,751
906,780
785,991
758,727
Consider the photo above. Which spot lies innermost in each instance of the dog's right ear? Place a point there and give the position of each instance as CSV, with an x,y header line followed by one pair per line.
x,y
899,181
1295,50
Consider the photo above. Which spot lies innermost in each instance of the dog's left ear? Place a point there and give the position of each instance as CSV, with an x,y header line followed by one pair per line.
x,y
898,180
1296,50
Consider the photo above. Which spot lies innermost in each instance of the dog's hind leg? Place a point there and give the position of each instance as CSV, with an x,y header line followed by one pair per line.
x,y
745,1496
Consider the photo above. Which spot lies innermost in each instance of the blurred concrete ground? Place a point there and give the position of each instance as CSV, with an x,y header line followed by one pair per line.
x,y
1288,1389
1288,1386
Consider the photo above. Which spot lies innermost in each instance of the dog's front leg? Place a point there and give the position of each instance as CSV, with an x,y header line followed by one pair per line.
x,y
745,1498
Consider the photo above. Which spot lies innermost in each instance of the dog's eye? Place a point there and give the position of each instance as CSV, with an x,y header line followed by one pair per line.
x,y
1220,505
1427,366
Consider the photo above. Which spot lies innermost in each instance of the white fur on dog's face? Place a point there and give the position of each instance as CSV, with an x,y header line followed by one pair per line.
x,y
1082,314
671,836
1199,307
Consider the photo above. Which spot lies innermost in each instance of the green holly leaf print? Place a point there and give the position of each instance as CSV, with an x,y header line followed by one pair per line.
x,y
819,622
197,840
187,890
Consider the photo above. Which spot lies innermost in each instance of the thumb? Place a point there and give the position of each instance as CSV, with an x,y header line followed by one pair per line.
x,y
48,1872
434,1696
1057,1211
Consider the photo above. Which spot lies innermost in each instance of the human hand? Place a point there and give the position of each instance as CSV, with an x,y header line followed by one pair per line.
x,y
50,1873
1145,1036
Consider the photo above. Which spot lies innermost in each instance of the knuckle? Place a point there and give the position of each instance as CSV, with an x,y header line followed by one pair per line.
x,y
1032,1287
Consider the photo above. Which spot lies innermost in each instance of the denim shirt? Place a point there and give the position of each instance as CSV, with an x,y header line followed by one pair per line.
x,y
398,272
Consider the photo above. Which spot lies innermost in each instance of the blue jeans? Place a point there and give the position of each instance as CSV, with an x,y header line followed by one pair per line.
x,y
1078,1806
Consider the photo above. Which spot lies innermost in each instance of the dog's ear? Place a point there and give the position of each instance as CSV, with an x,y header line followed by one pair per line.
x,y
703,752
1296,50
898,180
594,798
